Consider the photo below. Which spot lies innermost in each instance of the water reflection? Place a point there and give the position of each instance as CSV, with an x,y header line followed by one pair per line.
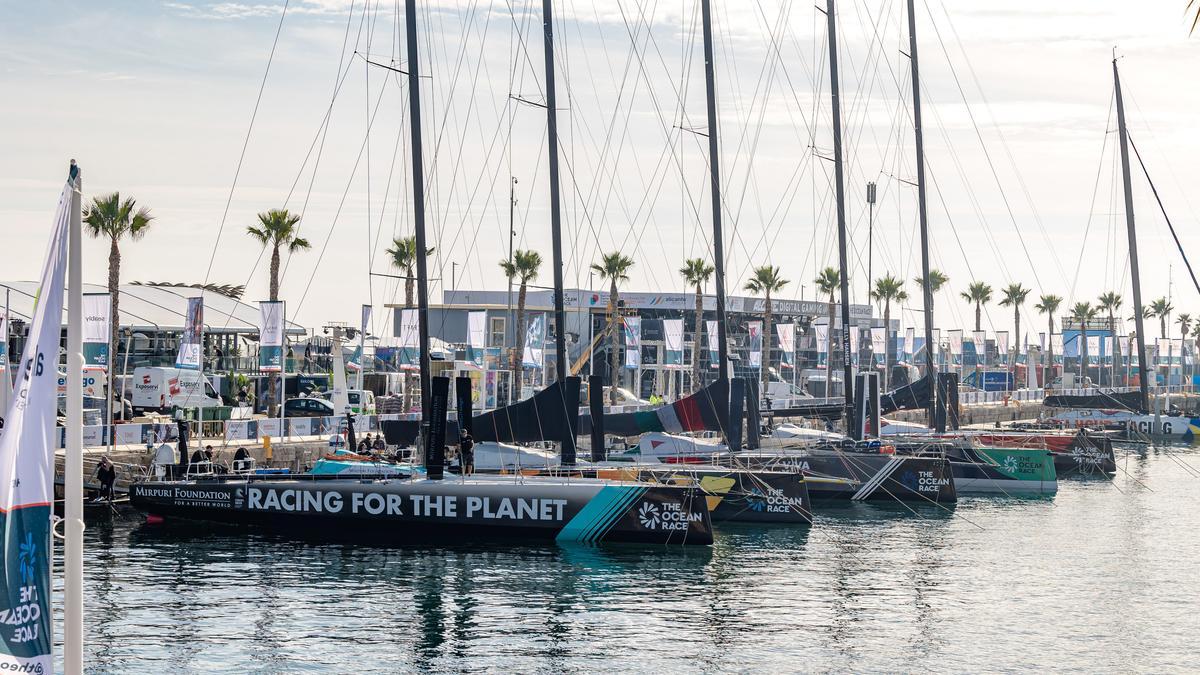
x,y
867,587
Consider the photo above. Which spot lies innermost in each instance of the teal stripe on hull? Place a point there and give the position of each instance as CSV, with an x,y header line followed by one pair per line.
x,y
598,515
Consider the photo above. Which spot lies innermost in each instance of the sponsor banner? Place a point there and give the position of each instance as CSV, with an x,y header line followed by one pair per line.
x,y
633,341
366,320
270,332
1056,343
756,343
1106,346
93,383
97,326
189,356
1002,342
476,337
1123,343
673,339
355,362
1093,346
822,333
956,343
27,471
535,343
853,330
878,341
979,338
410,339
714,342
3,340
786,332
910,337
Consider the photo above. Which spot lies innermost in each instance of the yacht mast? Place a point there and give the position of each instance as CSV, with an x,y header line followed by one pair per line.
x,y
1133,252
839,181
926,289
715,182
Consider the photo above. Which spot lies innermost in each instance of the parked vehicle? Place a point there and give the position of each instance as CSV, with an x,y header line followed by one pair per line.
x,y
362,401
159,389
308,407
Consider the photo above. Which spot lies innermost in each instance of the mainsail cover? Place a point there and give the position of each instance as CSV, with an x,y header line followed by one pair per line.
x,y
1125,400
915,396
705,410
27,471
552,414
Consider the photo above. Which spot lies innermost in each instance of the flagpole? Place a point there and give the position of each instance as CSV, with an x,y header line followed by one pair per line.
x,y
73,469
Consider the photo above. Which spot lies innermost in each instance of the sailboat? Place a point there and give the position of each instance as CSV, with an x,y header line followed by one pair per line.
x,y
424,508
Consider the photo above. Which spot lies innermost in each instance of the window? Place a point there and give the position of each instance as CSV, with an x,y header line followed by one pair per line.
x,y
496,331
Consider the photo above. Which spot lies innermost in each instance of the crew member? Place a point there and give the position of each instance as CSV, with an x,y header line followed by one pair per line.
x,y
466,453
106,474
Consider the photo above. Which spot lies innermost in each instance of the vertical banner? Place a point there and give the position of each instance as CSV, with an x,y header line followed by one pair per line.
x,y
822,333
1123,343
714,342
476,336
189,343
1041,341
27,472
956,343
787,344
633,341
879,343
1093,347
97,315
1056,343
410,339
535,343
1106,344
270,336
979,339
910,336
1002,343
756,344
673,339
853,330
356,361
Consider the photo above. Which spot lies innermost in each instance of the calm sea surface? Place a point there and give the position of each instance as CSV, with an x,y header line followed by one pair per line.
x,y
1102,577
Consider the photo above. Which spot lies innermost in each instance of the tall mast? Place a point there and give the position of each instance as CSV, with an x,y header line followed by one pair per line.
x,y
843,267
1143,391
560,320
715,181
567,450
73,462
926,289
418,179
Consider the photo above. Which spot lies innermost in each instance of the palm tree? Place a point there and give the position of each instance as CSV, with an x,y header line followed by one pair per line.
x,y
1110,304
115,218
614,267
1014,296
828,282
404,257
1162,309
1196,19
1048,305
524,268
766,280
696,272
277,229
978,293
1083,312
887,290
937,279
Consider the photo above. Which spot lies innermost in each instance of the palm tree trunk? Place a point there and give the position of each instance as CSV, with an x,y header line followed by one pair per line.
x,y
978,315
1049,370
766,346
274,297
887,344
518,354
1116,350
696,342
1083,365
275,273
829,351
114,292
408,287
613,356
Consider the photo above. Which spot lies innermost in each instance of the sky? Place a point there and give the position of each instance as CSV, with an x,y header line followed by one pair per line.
x,y
162,101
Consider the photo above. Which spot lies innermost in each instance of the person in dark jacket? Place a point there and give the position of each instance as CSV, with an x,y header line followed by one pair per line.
x,y
466,453
106,474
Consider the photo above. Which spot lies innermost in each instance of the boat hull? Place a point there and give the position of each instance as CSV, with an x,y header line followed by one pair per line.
x,y
429,511
835,475
1003,471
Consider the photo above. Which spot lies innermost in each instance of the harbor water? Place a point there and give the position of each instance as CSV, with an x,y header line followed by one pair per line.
x,y
1098,578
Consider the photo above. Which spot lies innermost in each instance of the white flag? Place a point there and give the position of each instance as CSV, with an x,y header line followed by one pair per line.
x,y
97,315
822,333
190,341
673,342
956,342
787,343
27,471
756,343
910,336
1093,346
476,336
713,344
1002,342
879,341
270,334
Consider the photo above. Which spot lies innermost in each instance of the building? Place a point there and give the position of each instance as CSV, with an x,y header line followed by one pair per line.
x,y
588,344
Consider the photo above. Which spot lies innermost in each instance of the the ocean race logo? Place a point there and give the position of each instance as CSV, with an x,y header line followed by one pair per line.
x,y
648,516
666,516
1010,464
773,500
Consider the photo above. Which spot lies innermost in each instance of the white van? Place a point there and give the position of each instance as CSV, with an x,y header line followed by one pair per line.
x,y
362,401
159,389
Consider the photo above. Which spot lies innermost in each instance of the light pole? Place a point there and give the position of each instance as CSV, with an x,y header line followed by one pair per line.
x,y
870,235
